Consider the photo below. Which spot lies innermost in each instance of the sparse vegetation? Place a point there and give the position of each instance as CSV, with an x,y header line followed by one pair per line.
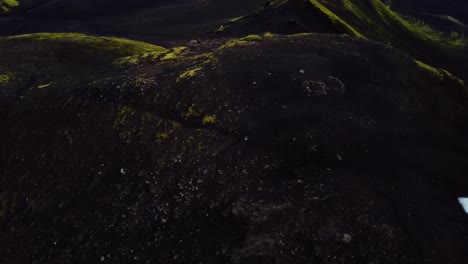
x,y
111,45
376,17
7,5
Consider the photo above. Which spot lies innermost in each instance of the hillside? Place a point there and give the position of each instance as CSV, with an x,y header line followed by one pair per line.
x,y
243,132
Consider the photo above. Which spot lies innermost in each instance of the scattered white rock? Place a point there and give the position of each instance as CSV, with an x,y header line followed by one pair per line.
x,y
302,71
346,238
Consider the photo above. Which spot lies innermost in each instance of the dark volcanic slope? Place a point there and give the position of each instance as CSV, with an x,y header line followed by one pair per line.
x,y
309,148
439,43
344,145
147,20
432,31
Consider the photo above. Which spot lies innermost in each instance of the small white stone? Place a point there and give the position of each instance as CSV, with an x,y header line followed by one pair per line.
x,y
102,259
302,71
347,238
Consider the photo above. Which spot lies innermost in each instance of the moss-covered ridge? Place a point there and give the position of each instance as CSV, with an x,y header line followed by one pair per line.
x,y
368,19
110,45
6,5
78,49
375,19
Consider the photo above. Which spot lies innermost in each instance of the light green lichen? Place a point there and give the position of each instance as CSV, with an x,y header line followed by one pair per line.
x,y
335,19
118,47
417,28
123,116
4,79
384,21
6,5
190,112
247,40
42,86
209,119
139,58
6,76
434,71
189,73
440,74
173,53
228,24
374,18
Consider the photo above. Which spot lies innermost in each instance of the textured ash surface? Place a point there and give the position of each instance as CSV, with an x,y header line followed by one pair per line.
x,y
308,148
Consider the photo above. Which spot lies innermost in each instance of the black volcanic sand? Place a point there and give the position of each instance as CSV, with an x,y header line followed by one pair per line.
x,y
219,148
309,148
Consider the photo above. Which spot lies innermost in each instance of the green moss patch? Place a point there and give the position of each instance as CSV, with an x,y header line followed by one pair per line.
x,y
335,19
209,119
6,76
439,74
377,19
7,5
117,46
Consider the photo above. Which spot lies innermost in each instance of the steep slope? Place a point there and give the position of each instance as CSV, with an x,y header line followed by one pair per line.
x,y
308,148
138,19
453,8
432,31
371,19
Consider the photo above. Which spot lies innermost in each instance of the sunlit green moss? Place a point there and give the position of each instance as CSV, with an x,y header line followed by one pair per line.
x,y
123,115
228,24
453,77
335,19
115,46
130,123
250,39
190,112
189,73
417,28
440,74
376,19
173,53
5,79
139,58
44,85
6,76
356,10
6,5
434,71
209,119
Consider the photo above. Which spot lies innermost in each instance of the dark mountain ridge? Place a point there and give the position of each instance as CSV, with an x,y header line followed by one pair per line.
x,y
240,132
